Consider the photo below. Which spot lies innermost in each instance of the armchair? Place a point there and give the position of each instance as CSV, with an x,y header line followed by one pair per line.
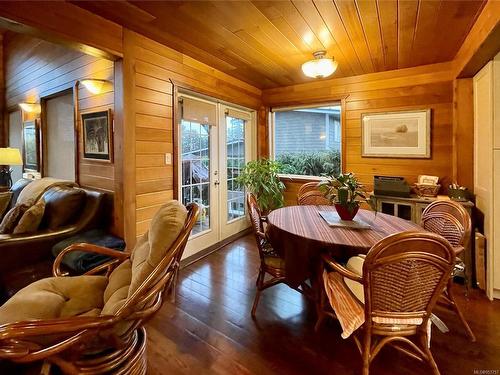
x,y
402,277
94,323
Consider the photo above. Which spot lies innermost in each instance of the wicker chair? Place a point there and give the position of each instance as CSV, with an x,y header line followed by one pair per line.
x,y
309,195
402,278
94,323
452,221
270,262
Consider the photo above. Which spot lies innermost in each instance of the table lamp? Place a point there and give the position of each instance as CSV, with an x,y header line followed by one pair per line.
x,y
8,156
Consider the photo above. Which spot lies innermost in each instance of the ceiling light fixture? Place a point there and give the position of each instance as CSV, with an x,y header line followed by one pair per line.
x,y
30,107
95,86
320,67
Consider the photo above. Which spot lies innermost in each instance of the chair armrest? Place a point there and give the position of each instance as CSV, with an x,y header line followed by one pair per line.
x,y
341,269
89,248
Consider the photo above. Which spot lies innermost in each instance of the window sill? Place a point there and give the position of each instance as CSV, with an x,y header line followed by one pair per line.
x,y
299,178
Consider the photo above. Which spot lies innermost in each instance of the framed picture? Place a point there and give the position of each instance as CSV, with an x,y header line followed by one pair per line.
x,y
31,146
97,136
405,134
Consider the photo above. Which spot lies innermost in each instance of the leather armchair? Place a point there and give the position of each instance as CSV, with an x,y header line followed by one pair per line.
x,y
19,250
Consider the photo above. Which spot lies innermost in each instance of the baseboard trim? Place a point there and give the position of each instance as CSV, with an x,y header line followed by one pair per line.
x,y
211,249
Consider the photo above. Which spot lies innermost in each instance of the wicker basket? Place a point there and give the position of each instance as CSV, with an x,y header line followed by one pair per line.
x,y
427,190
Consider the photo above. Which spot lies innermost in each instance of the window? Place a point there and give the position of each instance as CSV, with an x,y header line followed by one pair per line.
x,y
307,141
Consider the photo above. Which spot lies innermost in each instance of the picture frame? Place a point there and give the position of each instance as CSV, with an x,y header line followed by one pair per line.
x,y
31,146
402,134
97,134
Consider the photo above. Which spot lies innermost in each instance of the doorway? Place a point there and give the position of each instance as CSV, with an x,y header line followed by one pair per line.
x,y
215,142
59,137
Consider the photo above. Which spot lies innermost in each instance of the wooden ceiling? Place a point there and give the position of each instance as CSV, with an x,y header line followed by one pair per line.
x,y
265,42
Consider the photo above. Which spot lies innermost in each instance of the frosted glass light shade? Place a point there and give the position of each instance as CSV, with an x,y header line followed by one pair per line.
x,y
95,86
320,67
30,107
10,156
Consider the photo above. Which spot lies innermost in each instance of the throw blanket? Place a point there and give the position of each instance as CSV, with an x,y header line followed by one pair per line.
x,y
35,189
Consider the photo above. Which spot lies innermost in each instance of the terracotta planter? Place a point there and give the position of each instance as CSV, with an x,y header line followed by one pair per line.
x,y
345,213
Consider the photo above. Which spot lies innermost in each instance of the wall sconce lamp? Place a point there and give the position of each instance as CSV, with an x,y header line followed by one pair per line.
x,y
95,86
30,107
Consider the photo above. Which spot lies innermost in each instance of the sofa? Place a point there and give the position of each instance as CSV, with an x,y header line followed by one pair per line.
x,y
69,210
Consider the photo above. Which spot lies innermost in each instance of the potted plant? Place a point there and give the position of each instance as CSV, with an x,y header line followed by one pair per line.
x,y
345,192
260,177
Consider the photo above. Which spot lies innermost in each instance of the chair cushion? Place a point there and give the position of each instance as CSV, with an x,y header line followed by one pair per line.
x,y
151,248
56,297
116,292
274,261
12,217
355,264
31,219
63,205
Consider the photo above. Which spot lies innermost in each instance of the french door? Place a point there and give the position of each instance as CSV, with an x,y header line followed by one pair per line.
x,y
215,142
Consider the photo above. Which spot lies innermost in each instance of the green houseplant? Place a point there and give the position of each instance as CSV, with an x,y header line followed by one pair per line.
x,y
345,192
260,177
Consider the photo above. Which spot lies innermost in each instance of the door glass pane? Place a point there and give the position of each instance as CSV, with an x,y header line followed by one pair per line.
x,y
235,145
195,156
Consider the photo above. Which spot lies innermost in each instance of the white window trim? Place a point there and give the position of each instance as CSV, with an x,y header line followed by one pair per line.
x,y
271,127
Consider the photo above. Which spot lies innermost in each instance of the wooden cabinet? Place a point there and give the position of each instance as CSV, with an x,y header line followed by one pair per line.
x,y
412,208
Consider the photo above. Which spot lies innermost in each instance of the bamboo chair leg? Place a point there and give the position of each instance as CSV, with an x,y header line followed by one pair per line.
x,y
424,341
451,296
259,282
320,313
366,352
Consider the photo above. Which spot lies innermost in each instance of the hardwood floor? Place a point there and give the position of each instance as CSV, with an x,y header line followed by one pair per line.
x,y
209,329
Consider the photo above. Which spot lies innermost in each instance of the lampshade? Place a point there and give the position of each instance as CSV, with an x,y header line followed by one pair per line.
x,y
320,67
10,156
30,107
95,86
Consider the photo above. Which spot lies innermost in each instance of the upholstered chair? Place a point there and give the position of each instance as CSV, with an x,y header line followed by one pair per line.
x,y
310,195
94,323
387,297
452,221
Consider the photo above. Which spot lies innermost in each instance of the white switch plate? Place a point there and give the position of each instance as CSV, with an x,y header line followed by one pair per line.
x,y
168,158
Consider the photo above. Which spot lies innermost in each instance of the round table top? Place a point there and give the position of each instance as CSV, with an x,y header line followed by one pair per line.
x,y
306,222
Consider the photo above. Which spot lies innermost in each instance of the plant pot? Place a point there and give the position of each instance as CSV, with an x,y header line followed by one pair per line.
x,y
345,213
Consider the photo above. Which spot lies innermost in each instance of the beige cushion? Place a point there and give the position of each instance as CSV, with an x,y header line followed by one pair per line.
x,y
5,198
165,227
148,252
56,297
35,189
355,264
12,217
31,219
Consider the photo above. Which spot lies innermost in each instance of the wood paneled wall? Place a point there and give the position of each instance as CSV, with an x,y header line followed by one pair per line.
x,y
155,71
35,69
406,89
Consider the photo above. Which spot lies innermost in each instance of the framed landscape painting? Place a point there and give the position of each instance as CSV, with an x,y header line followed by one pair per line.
x,y
405,134
97,136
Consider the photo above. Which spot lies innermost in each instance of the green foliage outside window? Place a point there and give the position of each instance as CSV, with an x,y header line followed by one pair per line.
x,y
310,163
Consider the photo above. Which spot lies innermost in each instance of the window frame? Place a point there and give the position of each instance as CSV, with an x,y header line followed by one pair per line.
x,y
271,147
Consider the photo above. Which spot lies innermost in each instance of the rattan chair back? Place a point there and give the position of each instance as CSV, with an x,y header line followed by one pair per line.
x,y
309,195
257,224
436,218
404,274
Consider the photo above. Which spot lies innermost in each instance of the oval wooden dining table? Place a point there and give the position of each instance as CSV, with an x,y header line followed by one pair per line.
x,y
299,234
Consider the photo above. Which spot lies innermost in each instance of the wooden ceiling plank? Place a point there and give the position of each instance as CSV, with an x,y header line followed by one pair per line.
x,y
388,17
334,23
368,13
407,18
427,29
352,23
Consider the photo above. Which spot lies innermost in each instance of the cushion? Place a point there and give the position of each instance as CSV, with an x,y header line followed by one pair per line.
x,y
80,261
55,297
63,206
12,217
165,227
5,198
355,264
31,219
16,189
